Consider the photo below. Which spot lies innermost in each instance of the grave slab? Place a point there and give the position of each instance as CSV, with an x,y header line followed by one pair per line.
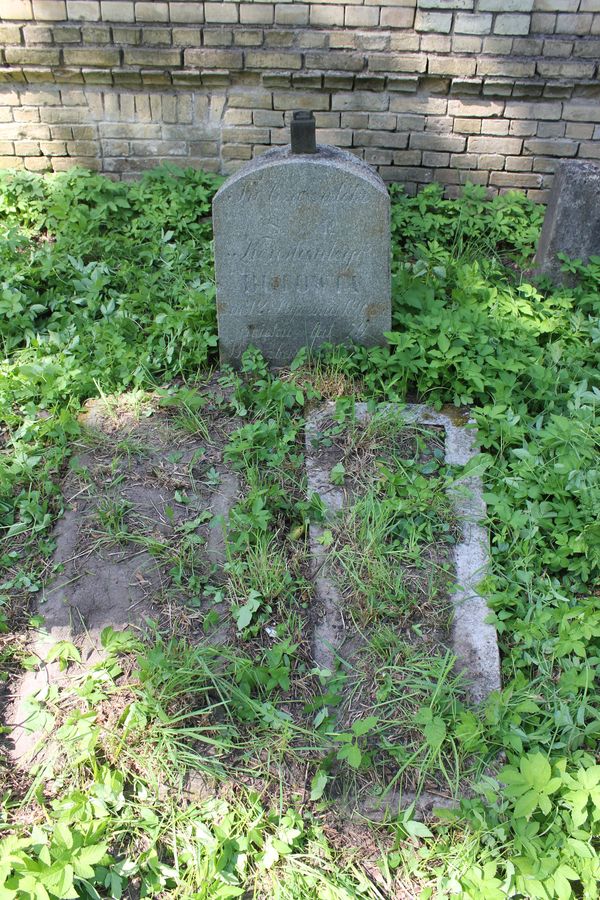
x,y
473,639
103,580
302,255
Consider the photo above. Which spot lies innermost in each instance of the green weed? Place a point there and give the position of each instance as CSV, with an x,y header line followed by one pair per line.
x,y
121,297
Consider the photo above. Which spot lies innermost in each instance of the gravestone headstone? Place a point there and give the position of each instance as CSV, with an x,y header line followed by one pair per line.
x,y
572,220
302,252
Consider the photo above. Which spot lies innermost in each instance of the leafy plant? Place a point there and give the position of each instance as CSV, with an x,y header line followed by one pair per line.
x,y
62,862
109,286
351,751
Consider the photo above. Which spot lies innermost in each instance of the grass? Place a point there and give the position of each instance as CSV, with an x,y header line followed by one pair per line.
x,y
391,546
190,768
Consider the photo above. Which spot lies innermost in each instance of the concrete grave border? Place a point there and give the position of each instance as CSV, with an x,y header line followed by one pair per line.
x,y
474,640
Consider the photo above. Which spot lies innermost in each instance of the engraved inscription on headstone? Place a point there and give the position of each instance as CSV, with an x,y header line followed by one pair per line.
x,y
302,254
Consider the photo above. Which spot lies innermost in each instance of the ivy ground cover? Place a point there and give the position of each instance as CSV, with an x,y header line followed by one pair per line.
x,y
107,295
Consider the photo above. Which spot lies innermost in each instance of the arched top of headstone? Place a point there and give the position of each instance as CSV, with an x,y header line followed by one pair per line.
x,y
326,157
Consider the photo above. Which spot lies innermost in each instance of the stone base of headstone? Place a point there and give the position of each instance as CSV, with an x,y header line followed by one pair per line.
x,y
572,221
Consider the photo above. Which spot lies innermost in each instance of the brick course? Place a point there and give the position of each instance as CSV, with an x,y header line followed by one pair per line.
x,y
493,91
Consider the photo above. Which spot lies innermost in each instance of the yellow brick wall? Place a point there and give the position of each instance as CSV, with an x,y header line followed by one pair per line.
x,y
490,91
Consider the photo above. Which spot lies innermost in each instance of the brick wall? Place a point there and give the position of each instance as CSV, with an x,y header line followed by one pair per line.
x,y
490,91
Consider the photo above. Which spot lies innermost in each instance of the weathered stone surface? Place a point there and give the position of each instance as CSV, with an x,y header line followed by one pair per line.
x,y
572,221
302,254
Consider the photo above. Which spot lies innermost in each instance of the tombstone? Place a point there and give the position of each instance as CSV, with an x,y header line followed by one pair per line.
x,y
572,220
302,251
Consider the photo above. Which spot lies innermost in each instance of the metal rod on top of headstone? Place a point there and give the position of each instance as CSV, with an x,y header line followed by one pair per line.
x,y
303,132
302,251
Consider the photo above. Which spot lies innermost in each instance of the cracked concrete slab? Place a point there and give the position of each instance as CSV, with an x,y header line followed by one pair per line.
x,y
102,579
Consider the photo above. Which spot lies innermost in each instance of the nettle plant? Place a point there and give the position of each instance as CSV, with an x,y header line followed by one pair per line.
x,y
62,860
550,814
